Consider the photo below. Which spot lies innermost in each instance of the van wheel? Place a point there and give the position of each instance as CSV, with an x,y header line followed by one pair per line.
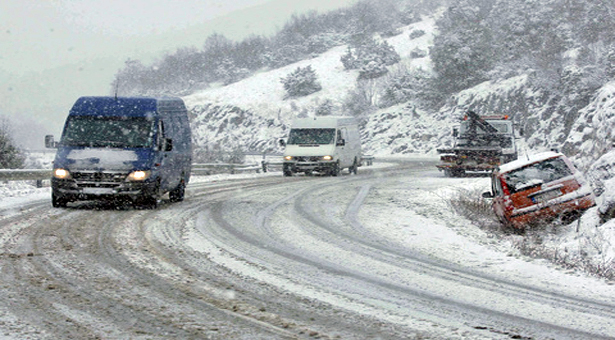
x,y
353,169
177,194
58,202
150,201
335,169
288,173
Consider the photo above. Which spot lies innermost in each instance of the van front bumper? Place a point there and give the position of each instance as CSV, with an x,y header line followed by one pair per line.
x,y
76,191
309,166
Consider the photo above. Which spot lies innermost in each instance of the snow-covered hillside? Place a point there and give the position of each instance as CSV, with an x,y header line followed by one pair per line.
x,y
253,113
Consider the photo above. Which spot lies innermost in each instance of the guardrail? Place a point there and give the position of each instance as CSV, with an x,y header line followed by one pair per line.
x,y
198,169
39,175
212,168
367,160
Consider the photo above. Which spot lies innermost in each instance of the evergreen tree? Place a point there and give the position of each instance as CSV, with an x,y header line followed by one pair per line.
x,y
301,82
11,157
463,52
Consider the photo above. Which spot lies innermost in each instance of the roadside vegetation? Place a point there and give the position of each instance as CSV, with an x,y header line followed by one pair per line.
x,y
588,254
223,61
11,157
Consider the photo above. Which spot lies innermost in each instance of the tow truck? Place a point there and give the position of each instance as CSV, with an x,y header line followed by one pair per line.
x,y
481,144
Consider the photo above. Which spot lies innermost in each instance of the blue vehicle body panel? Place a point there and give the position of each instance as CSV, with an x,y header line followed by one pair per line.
x,y
111,106
100,167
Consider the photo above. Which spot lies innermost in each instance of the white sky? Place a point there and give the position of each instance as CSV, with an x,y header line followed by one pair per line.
x,y
53,51
38,34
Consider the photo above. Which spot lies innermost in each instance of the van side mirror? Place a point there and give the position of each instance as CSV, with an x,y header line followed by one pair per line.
x,y
282,142
488,194
168,144
50,143
341,142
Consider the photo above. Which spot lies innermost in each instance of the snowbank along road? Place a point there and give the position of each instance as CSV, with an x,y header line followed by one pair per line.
x,y
378,255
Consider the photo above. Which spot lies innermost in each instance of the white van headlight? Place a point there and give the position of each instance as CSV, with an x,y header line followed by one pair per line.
x,y
327,158
288,158
138,175
60,173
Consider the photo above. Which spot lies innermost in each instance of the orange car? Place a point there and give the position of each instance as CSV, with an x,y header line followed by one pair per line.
x,y
539,189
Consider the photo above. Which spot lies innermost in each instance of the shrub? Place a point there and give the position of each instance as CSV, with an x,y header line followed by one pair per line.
x,y
416,34
391,32
404,84
373,69
418,53
471,205
11,157
370,56
325,108
301,82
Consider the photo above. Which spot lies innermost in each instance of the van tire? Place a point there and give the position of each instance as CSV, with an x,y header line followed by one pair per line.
x,y
58,202
335,169
355,166
177,194
288,173
150,201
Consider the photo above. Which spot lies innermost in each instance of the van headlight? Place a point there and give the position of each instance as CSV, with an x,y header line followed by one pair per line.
x,y
60,173
327,158
288,158
139,175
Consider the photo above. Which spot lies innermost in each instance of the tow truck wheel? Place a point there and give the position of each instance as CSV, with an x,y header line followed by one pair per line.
x,y
457,173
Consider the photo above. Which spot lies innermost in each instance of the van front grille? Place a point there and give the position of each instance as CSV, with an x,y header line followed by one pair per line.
x,y
309,158
99,177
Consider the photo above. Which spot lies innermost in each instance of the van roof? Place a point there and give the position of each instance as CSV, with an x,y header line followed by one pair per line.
x,y
323,122
122,106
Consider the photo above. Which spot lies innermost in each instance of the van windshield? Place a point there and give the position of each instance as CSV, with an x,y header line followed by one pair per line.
x,y
311,136
536,174
114,132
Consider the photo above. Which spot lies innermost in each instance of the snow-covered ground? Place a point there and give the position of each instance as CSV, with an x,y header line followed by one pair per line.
x,y
586,239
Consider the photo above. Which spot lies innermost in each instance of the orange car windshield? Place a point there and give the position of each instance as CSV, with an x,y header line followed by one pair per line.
x,y
536,174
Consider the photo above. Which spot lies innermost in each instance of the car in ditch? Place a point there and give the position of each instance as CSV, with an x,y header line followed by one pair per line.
x,y
538,189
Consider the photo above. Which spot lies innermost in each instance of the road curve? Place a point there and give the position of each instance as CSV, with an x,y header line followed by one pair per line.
x,y
280,258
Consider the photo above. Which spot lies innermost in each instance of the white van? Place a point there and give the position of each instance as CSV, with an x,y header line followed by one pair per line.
x,y
324,144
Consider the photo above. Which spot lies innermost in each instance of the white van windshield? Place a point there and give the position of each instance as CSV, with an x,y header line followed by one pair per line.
x,y
311,136
115,132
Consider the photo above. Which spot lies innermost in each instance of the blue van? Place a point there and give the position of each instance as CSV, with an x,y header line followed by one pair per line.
x,y
133,149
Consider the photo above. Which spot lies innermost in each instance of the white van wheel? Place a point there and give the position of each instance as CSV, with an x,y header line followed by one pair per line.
x,y
335,169
353,169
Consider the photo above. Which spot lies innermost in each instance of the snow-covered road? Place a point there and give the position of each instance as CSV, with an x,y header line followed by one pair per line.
x,y
377,255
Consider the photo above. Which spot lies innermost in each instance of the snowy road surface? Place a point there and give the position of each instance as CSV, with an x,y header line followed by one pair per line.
x,y
379,255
